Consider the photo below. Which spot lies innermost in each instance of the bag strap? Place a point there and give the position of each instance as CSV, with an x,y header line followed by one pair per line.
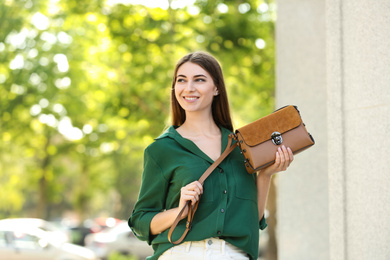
x,y
192,208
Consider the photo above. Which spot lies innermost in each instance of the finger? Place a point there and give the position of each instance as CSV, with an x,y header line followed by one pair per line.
x,y
199,187
186,194
290,154
286,155
195,199
190,187
194,184
197,190
285,158
193,187
282,157
190,196
277,159
189,193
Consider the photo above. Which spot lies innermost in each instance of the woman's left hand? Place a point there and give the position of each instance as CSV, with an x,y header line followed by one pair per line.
x,y
284,157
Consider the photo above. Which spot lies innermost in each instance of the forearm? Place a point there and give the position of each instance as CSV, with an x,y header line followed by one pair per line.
x,y
263,184
163,220
284,157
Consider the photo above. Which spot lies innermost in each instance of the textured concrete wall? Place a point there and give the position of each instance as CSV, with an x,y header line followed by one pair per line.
x,y
358,38
333,61
301,80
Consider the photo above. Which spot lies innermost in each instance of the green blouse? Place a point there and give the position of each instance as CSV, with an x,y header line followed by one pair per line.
x,y
228,206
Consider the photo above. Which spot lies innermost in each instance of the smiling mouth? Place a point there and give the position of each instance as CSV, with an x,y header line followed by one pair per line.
x,y
191,98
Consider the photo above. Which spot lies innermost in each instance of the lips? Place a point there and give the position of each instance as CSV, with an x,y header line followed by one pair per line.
x,y
190,98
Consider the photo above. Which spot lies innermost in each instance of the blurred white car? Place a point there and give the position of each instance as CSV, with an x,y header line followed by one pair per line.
x,y
118,239
51,230
21,242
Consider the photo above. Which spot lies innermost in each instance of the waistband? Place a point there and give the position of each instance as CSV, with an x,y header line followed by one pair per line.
x,y
210,243
211,247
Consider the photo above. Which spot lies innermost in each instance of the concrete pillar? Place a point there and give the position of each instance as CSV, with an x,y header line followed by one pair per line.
x,y
301,80
333,61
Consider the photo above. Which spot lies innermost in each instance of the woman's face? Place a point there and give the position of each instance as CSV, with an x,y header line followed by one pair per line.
x,y
194,88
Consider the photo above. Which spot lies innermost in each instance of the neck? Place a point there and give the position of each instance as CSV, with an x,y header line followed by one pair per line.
x,y
197,124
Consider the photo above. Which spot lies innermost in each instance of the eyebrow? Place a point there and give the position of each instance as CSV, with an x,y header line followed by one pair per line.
x,y
196,76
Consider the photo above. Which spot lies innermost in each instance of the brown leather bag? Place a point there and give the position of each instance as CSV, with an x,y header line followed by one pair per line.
x,y
258,142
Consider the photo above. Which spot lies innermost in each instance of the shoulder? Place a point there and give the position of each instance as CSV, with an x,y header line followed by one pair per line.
x,y
163,143
160,147
225,132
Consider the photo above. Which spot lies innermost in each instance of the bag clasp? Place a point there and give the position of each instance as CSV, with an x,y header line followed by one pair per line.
x,y
276,138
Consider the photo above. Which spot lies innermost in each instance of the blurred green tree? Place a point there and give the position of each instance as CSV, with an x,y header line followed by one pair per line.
x,y
85,88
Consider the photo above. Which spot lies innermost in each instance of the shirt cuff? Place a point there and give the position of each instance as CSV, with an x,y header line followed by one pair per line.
x,y
142,231
262,223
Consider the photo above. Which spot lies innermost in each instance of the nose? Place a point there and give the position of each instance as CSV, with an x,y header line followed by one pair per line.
x,y
190,86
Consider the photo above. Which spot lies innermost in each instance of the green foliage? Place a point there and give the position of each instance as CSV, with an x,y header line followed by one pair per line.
x,y
84,88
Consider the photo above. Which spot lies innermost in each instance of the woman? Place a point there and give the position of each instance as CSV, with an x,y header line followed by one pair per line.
x,y
231,208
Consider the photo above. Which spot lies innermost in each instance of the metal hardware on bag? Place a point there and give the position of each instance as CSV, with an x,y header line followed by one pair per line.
x,y
276,138
246,162
188,225
244,151
234,136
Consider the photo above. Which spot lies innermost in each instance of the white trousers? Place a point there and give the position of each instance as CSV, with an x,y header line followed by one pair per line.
x,y
208,249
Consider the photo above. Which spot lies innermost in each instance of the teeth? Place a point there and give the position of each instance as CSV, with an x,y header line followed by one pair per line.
x,y
190,98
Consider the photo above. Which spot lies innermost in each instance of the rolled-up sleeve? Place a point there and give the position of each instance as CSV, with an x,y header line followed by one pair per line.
x,y
150,200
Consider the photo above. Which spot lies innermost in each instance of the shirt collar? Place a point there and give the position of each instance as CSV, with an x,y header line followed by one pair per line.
x,y
191,146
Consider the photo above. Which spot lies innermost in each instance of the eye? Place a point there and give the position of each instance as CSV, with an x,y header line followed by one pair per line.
x,y
180,80
200,80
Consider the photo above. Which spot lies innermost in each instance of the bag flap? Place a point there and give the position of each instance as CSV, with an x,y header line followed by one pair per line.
x,y
281,121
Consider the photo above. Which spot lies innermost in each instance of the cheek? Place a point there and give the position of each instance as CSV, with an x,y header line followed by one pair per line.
x,y
177,92
211,92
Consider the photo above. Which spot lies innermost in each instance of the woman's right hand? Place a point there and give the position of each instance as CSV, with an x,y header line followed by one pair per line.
x,y
164,220
190,192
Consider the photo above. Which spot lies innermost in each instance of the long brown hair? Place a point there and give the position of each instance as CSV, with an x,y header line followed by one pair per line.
x,y
220,106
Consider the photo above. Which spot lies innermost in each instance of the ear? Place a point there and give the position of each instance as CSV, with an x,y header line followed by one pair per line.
x,y
216,92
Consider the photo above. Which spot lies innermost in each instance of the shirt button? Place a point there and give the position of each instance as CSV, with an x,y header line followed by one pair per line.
x,y
222,210
219,232
209,242
221,170
225,191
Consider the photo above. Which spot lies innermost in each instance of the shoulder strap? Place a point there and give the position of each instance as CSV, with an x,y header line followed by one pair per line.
x,y
192,208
